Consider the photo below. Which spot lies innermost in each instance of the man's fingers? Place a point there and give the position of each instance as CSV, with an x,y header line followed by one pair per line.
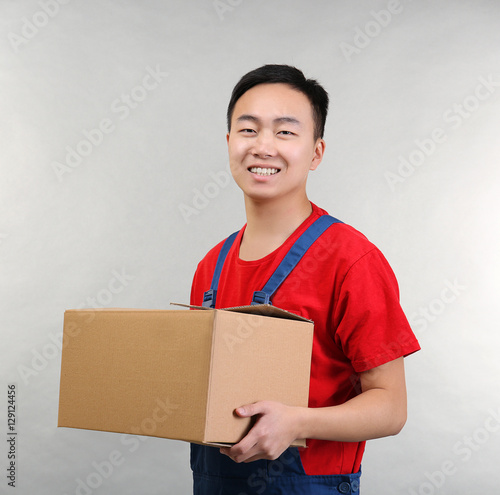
x,y
236,456
250,409
245,411
243,447
250,447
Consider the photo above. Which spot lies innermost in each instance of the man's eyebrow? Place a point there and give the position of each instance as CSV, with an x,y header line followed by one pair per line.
x,y
247,116
287,120
278,120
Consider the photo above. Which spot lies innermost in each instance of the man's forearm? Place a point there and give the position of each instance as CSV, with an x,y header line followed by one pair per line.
x,y
375,413
379,411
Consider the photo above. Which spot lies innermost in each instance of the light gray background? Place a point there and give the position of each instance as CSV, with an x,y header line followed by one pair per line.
x,y
64,236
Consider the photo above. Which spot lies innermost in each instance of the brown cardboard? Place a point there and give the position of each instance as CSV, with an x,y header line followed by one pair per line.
x,y
180,374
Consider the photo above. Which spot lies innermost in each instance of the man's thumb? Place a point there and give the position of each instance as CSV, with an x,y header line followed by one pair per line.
x,y
244,411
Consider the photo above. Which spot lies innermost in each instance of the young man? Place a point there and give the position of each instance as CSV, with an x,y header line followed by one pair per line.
x,y
343,283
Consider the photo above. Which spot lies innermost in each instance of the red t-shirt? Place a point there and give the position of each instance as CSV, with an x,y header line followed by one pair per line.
x,y
346,287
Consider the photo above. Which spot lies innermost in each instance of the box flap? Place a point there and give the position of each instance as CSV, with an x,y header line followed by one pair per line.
x,y
255,309
190,306
268,310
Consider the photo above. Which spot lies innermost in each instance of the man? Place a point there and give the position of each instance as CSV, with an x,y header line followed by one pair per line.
x,y
343,283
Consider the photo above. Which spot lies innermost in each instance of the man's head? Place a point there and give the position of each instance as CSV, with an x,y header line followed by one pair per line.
x,y
293,77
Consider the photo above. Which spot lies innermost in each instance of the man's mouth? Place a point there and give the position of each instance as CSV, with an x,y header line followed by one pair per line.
x,y
263,171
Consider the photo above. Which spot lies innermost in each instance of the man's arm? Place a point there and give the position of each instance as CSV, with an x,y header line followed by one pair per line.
x,y
379,411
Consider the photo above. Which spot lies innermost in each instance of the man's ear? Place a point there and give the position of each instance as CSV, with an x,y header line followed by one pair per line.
x,y
319,151
227,138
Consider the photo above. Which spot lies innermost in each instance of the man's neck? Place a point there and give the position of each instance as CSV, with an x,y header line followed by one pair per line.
x,y
270,223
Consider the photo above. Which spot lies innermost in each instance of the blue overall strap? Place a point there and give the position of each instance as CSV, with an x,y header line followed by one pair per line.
x,y
210,295
301,245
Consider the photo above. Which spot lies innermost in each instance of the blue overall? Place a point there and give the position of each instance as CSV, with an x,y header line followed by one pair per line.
x,y
217,474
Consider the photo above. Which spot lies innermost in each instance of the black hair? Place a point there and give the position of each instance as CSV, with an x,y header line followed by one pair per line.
x,y
292,76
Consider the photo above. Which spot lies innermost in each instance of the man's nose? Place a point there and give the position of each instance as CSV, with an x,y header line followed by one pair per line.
x,y
264,145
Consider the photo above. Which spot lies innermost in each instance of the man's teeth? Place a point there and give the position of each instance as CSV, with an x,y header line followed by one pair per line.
x,y
264,171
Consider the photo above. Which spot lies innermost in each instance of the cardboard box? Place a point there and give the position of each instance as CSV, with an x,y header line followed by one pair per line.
x,y
180,374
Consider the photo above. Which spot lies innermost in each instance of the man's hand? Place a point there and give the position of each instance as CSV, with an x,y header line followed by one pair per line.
x,y
379,411
275,429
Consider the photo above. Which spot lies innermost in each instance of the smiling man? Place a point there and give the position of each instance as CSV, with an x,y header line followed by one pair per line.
x,y
276,120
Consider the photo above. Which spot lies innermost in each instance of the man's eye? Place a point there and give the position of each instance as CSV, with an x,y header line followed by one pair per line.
x,y
247,131
286,133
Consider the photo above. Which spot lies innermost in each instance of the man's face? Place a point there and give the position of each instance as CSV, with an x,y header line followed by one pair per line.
x,y
271,143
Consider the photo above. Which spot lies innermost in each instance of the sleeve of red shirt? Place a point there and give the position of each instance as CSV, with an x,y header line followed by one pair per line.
x,y
371,327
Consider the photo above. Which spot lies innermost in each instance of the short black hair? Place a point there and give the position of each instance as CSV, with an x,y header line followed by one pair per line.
x,y
292,76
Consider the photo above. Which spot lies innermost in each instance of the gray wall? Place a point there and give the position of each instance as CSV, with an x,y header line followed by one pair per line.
x,y
411,161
